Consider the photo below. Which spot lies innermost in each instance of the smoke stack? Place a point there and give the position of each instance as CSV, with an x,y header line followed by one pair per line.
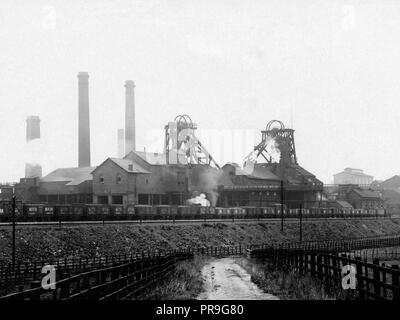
x,y
33,170
130,138
32,128
84,126
121,152
33,148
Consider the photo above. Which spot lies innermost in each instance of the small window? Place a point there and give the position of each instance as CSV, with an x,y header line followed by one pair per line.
x,y
147,181
119,178
101,179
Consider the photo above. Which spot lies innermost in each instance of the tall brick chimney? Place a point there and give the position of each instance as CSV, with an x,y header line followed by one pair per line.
x,y
84,123
121,143
130,138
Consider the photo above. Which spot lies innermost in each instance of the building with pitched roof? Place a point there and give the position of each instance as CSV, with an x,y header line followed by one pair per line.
x,y
145,178
361,198
66,186
251,186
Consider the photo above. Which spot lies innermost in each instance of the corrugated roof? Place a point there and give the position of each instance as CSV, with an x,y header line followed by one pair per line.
x,y
344,204
263,173
253,172
74,176
153,158
129,165
224,180
367,193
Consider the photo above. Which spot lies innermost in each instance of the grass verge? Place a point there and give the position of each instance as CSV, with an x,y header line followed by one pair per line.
x,y
287,284
185,283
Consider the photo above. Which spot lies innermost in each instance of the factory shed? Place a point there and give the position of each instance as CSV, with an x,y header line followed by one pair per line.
x,y
255,186
66,186
341,204
115,181
361,198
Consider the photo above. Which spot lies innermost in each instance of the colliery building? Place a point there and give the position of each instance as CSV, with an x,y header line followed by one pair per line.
x,y
147,178
255,186
182,172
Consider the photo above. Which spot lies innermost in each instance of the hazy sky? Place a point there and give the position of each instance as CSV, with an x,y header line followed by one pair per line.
x,y
330,68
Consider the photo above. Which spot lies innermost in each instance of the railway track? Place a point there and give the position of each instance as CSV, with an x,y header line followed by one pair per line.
x,y
58,224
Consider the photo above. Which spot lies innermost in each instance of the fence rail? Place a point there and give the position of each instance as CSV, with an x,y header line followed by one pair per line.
x,y
127,280
373,280
25,272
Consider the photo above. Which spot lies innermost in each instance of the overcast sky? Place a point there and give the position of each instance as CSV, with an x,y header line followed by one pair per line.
x,y
329,68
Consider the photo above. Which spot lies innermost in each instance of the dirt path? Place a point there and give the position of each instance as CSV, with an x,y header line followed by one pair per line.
x,y
226,280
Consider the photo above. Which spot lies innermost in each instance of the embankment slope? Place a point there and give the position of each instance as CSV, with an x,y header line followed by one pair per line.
x,y
89,241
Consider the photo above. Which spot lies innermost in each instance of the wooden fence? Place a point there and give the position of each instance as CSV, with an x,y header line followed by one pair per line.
x,y
124,281
28,271
345,245
373,280
25,274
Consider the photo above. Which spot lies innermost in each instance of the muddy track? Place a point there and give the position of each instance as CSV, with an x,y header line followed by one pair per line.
x,y
224,279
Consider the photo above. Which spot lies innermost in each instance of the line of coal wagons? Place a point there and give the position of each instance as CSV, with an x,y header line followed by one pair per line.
x,y
82,212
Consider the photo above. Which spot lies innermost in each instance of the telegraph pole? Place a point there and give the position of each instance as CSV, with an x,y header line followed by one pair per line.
x,y
282,204
13,232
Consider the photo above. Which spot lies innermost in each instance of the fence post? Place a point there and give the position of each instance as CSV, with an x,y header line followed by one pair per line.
x,y
312,263
319,266
395,282
34,285
376,274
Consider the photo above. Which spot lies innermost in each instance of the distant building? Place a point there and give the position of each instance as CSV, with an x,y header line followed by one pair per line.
x,y
6,192
392,183
352,176
392,201
145,178
66,186
26,190
360,198
258,187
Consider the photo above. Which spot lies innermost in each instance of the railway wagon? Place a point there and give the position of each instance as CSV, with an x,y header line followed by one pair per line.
x,y
76,212
250,212
235,212
266,212
130,211
146,212
117,212
221,213
165,212
189,212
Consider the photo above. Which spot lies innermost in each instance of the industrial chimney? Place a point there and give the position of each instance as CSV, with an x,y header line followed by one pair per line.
x,y
121,144
130,139
33,148
32,128
84,126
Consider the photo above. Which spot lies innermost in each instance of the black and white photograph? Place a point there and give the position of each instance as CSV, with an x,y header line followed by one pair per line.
x,y
199,158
